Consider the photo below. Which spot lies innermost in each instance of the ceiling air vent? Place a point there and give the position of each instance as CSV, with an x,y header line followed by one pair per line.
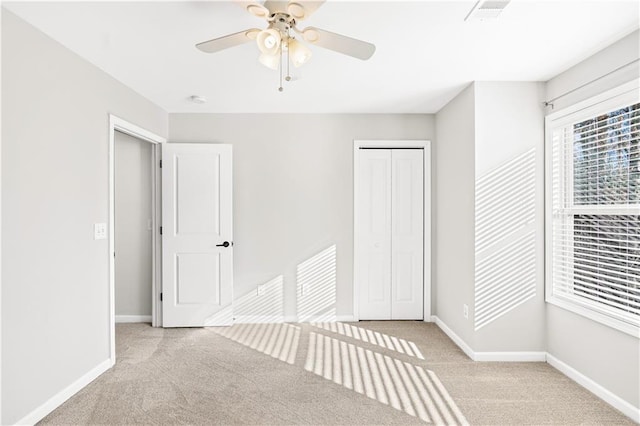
x,y
487,9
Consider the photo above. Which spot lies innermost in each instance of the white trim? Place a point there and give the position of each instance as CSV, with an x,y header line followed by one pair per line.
x,y
116,123
598,390
133,318
258,319
156,240
630,87
58,399
0,224
426,146
530,356
345,318
593,315
323,318
453,336
510,356
268,319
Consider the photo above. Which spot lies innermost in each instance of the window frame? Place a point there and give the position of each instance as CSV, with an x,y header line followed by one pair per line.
x,y
610,100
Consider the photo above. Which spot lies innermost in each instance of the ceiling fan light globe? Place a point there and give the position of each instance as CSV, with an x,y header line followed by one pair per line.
x,y
310,35
299,53
268,41
296,10
258,10
252,34
270,61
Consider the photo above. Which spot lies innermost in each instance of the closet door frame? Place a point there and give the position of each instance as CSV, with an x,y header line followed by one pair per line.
x,y
425,145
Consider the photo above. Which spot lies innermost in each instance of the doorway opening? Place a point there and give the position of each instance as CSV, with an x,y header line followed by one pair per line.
x,y
127,134
133,228
392,230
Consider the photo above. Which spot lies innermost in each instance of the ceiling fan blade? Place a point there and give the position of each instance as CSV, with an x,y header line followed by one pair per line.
x,y
253,7
339,43
225,42
302,9
276,6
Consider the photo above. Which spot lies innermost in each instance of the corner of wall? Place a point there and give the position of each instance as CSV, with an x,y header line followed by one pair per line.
x,y
454,229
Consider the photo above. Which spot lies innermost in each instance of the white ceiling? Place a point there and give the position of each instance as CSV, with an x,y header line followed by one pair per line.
x,y
426,52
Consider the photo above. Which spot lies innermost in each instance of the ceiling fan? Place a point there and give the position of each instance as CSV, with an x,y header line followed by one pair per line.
x,y
279,38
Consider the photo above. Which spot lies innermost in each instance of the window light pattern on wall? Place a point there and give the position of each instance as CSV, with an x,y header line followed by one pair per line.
x,y
596,213
316,287
505,261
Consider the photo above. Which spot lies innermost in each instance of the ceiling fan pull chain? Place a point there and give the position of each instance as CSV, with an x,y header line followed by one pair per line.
x,y
288,77
280,89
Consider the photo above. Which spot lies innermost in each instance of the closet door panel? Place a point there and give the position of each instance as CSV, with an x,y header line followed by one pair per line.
x,y
407,234
374,230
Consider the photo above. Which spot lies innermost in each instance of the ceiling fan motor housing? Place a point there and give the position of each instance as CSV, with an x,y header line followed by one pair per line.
x,y
283,22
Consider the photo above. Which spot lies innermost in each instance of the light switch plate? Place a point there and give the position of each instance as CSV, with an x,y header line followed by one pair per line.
x,y
100,231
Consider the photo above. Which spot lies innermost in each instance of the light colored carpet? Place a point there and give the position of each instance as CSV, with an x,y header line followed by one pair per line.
x,y
391,372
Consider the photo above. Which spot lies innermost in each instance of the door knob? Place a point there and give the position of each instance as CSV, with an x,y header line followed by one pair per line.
x,y
225,244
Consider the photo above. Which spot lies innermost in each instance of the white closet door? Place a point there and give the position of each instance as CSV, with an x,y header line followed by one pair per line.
x,y
374,205
407,234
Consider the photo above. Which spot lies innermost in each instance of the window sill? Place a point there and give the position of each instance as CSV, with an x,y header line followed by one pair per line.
x,y
614,323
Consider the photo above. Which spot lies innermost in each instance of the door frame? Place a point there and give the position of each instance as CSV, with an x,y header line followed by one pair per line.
x,y
123,126
425,145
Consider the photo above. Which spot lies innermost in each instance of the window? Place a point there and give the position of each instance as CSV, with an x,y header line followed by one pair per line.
x,y
593,209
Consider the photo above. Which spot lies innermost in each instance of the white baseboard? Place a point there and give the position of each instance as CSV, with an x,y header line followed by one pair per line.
x,y
453,336
133,318
55,401
249,319
266,319
323,318
489,356
510,356
595,388
345,318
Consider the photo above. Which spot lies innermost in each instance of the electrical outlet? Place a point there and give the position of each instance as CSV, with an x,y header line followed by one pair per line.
x,y
100,231
465,311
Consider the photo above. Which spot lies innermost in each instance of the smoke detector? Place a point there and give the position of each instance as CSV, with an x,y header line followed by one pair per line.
x,y
486,9
196,99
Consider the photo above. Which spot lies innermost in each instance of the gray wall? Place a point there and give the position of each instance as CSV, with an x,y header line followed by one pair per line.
x,y
453,246
132,233
293,188
489,216
509,257
604,62
609,357
55,289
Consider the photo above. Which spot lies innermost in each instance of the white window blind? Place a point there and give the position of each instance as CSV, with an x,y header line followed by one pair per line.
x,y
595,211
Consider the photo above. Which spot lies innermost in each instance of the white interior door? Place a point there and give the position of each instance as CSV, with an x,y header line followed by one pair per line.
x,y
374,201
197,249
407,236
390,233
